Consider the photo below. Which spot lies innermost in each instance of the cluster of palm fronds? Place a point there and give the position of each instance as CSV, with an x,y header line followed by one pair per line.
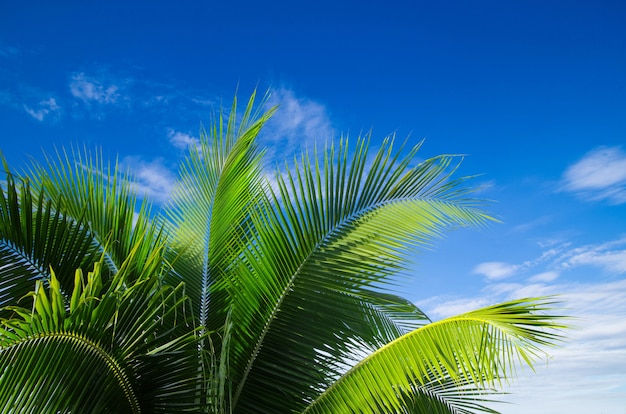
x,y
240,295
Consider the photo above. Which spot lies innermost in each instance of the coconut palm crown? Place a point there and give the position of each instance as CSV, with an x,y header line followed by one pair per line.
x,y
245,294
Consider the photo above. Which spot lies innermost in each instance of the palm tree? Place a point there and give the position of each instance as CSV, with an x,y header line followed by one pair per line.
x,y
244,294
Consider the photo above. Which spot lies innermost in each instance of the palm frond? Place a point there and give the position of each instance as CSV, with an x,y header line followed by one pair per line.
x,y
456,360
36,377
36,235
130,342
220,182
105,198
335,235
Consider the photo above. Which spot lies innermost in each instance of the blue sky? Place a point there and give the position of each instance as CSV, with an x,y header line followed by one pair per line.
x,y
533,92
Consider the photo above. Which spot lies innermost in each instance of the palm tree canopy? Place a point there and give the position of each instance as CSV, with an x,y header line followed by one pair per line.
x,y
245,294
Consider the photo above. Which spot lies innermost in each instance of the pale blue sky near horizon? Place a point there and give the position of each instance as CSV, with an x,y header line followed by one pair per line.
x,y
533,92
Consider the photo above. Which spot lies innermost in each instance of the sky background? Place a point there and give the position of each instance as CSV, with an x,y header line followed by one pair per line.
x,y
534,92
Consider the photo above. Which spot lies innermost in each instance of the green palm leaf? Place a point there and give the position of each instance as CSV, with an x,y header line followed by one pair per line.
x,y
210,224
36,235
105,199
131,344
444,363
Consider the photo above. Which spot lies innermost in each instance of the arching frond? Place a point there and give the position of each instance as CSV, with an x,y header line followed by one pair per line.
x,y
448,365
36,235
105,198
131,344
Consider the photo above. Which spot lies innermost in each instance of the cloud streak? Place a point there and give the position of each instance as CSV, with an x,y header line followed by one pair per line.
x,y
599,175
496,270
44,109
493,271
610,256
590,368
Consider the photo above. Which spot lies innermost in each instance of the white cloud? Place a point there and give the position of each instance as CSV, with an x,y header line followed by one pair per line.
x,y
89,89
549,243
180,139
545,277
442,307
611,261
152,179
202,101
43,109
298,124
501,270
495,270
600,175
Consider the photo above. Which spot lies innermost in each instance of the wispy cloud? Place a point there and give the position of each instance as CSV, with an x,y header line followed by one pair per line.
x,y
439,307
548,276
528,226
90,89
298,124
152,179
590,368
180,139
610,256
599,175
593,359
43,109
39,104
496,270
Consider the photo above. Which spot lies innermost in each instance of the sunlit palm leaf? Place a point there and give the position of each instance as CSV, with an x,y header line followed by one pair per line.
x,y
447,396
220,181
465,354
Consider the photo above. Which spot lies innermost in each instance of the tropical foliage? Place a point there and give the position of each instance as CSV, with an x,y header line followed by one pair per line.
x,y
244,294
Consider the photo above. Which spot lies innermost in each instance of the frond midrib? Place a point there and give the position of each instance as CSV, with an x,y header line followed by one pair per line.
x,y
27,259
